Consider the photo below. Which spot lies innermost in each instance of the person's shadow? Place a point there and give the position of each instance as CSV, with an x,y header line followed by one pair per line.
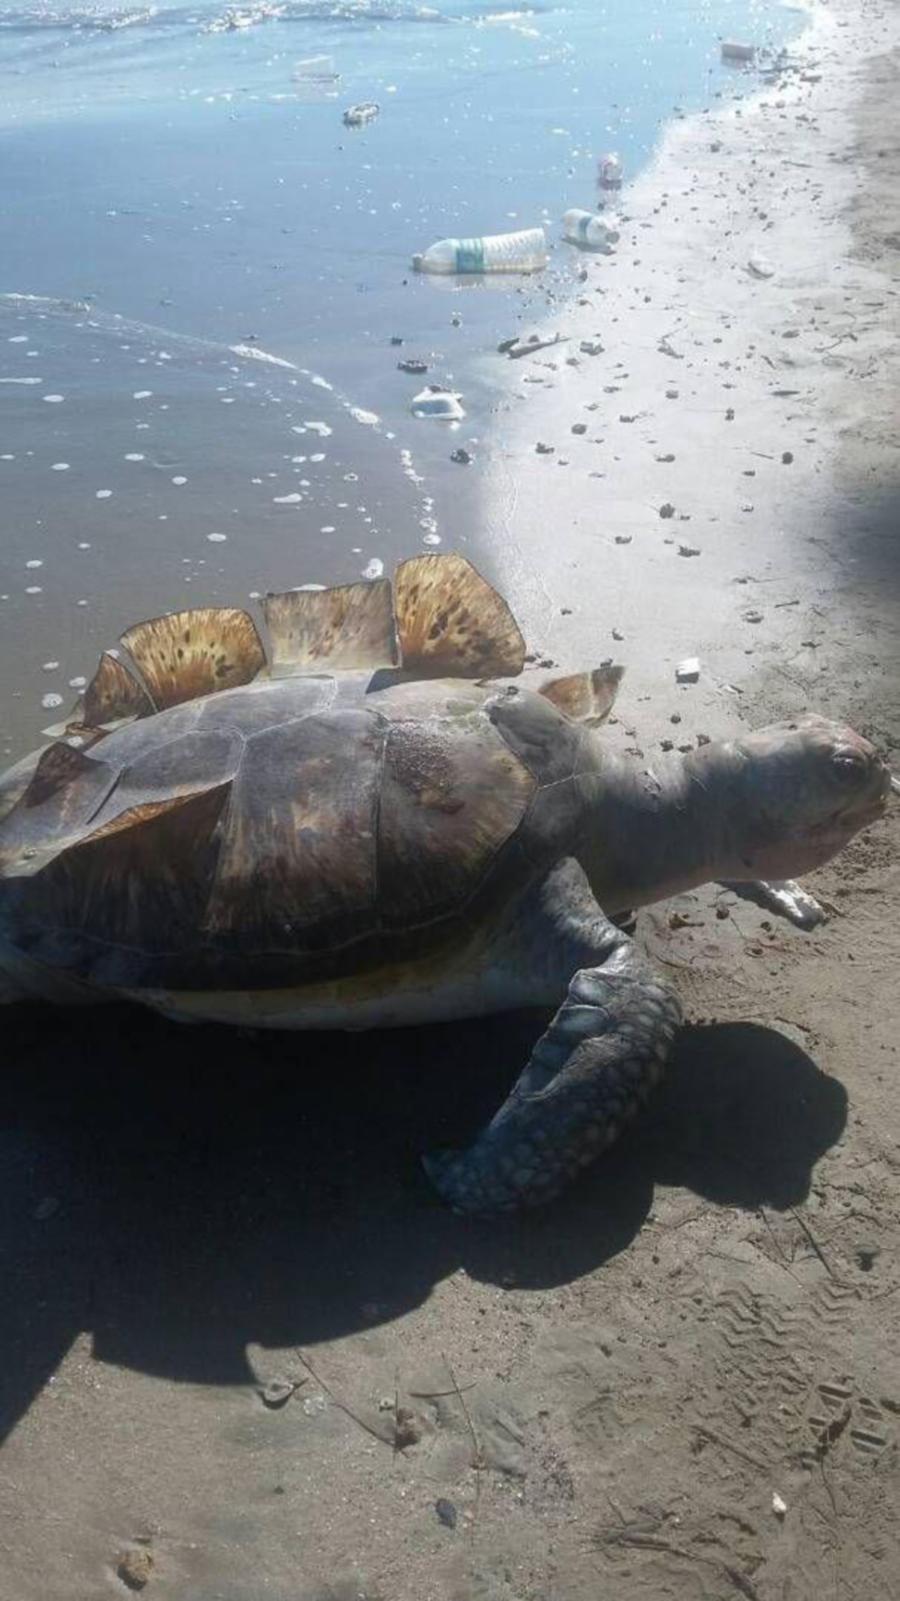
x,y
182,1191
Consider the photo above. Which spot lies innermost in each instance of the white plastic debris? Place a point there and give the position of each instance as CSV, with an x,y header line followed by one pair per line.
x,y
733,51
315,69
779,1505
760,266
523,251
688,671
609,171
442,403
357,116
590,230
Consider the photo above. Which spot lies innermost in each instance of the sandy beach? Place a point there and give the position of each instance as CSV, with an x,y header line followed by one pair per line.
x,y
681,1383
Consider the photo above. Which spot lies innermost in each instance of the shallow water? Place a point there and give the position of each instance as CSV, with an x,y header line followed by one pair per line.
x,y
175,172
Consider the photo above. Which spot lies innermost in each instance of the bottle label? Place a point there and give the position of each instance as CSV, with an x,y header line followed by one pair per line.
x,y
470,255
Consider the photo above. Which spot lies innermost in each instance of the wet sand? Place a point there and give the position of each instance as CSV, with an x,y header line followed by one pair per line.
x,y
606,1399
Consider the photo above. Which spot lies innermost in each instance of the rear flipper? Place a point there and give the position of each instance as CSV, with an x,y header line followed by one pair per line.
x,y
590,1072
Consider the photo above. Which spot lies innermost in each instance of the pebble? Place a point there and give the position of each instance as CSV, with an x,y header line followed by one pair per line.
x,y
579,427
688,550
277,1392
687,672
446,1512
135,1568
544,450
787,457
461,455
624,539
667,510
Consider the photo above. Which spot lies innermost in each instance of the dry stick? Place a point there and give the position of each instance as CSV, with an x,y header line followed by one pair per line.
x,y
814,1243
342,1404
478,1459
710,1434
437,1395
650,1542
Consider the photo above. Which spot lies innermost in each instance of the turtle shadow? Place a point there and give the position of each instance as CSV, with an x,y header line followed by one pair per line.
x,y
179,1193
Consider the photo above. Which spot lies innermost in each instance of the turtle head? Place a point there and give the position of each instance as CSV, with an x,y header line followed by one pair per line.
x,y
794,795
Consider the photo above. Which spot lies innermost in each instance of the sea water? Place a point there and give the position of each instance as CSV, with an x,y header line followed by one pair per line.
x,y
205,278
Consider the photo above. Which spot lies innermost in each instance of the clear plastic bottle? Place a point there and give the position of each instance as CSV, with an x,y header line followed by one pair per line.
x,y
525,251
609,171
589,229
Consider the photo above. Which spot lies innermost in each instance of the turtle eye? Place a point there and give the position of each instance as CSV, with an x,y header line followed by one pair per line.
x,y
848,768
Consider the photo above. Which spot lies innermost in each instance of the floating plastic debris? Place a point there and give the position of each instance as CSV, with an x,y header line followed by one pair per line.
x,y
733,51
523,251
357,116
443,404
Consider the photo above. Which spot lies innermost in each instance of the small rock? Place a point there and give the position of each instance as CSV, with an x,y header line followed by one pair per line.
x,y
446,1512
667,510
461,455
135,1568
688,550
624,539
591,347
277,1392
729,415
703,739
544,450
407,1428
787,457
779,1505
396,339
671,394
753,616
617,634
412,364
668,457
675,717
666,744
865,1256
579,427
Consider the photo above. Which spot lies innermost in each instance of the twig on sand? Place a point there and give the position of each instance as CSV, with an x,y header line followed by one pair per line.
x,y
478,1456
342,1405
643,1541
716,1439
814,1243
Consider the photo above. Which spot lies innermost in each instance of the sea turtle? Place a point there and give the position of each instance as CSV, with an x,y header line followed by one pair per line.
x,y
369,829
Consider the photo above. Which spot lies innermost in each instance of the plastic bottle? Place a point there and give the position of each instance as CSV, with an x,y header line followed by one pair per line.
x,y
590,230
609,171
525,251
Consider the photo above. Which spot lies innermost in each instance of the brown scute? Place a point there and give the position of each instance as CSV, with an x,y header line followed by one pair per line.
x,y
452,795
193,653
348,627
127,890
112,695
297,865
59,765
585,697
451,623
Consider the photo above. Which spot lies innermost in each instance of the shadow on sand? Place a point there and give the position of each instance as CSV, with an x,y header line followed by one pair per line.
x,y
180,1192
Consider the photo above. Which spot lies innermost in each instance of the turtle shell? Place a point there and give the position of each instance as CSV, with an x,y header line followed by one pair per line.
x,y
295,829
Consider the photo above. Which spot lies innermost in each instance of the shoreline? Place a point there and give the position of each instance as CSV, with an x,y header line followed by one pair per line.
x,y
718,411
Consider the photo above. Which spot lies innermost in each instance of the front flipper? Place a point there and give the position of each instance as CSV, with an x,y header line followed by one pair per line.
x,y
589,1073
784,896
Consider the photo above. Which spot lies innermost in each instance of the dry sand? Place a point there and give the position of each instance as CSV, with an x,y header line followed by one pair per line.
x,y
602,1401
